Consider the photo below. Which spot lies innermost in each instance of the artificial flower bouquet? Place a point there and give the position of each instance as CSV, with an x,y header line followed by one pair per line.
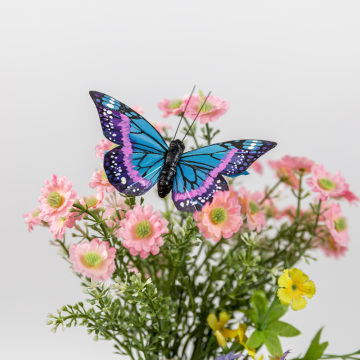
x,y
215,284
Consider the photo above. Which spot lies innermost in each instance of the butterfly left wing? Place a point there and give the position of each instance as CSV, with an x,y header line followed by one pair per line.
x,y
133,174
200,172
135,165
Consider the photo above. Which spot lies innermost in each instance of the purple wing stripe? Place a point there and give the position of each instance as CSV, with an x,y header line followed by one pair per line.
x,y
117,171
193,200
210,180
223,164
124,124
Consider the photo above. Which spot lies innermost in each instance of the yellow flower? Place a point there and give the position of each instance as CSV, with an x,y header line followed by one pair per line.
x,y
221,332
220,338
242,339
294,284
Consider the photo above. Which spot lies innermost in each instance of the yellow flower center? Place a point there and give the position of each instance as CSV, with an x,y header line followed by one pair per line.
x,y
92,259
207,107
61,221
218,215
175,104
340,224
293,286
326,184
54,199
91,201
253,207
143,229
36,213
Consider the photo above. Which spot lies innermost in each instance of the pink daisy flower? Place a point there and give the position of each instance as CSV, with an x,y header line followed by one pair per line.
x,y
114,204
57,198
142,229
332,248
257,167
211,111
100,183
104,146
161,127
138,109
250,205
297,163
326,184
349,196
93,201
284,172
95,260
59,225
221,218
172,107
337,225
32,219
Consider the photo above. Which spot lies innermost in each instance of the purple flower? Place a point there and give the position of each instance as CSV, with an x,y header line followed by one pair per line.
x,y
277,357
286,353
230,356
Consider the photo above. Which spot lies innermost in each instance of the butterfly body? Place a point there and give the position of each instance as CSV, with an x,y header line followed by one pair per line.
x,y
167,174
143,158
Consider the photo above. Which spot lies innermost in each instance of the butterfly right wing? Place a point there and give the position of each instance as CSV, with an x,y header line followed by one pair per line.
x,y
134,166
200,173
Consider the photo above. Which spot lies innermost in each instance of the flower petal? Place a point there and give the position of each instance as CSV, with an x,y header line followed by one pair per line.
x,y
228,333
308,289
224,318
298,276
241,333
285,296
220,338
251,351
212,321
284,280
298,303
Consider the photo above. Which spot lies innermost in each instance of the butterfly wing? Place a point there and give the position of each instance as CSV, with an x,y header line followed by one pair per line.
x,y
200,172
135,165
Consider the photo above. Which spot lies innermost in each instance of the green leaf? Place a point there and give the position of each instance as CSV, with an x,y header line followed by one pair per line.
x,y
272,343
316,349
251,314
259,303
283,329
256,339
276,313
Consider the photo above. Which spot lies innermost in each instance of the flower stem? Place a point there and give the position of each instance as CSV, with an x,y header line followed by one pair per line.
x,y
62,244
268,193
208,132
246,269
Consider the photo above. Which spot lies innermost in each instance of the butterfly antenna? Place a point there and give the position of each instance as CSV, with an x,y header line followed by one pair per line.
x,y
182,116
196,115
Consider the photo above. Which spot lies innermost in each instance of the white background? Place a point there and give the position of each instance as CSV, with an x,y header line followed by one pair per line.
x,y
290,71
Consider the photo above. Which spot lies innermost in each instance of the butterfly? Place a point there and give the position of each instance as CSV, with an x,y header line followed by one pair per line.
x,y
143,158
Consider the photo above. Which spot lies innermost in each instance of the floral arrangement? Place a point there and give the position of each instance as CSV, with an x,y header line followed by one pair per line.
x,y
163,284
